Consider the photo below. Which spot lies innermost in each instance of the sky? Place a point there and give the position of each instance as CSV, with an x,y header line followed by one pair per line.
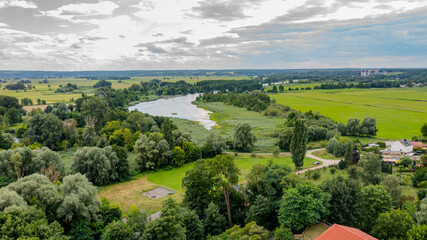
x,y
70,35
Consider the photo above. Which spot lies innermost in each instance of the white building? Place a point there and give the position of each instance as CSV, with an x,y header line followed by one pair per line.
x,y
404,146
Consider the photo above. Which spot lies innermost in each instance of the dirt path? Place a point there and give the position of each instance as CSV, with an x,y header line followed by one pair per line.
x,y
326,162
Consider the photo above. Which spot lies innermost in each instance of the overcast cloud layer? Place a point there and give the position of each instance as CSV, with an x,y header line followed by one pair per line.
x,y
211,34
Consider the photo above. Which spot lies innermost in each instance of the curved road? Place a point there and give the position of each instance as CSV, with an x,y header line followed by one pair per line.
x,y
326,162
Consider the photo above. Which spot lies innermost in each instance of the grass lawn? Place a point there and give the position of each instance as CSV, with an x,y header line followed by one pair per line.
x,y
325,155
326,175
314,231
129,193
67,158
400,113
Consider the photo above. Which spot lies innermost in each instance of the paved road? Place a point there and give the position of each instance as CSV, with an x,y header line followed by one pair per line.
x,y
326,162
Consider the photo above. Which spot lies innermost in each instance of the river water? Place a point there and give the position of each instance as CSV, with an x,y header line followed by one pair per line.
x,y
179,107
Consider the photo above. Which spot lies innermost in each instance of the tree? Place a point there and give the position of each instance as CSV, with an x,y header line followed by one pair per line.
x,y
179,137
11,199
214,145
96,163
13,115
368,127
282,233
192,225
423,160
345,205
392,184
259,212
421,215
189,150
102,83
371,165
167,129
117,230
137,121
37,189
375,200
348,157
198,185
46,129
122,167
214,223
137,220
89,134
405,161
352,128
152,152
285,137
243,138
303,206
225,175
178,156
299,143
393,224
249,231
45,158
424,130
95,107
170,224
28,223
4,142
80,199
417,232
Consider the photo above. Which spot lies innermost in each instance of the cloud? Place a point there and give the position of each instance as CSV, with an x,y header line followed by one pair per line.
x,y
188,34
74,12
219,10
18,4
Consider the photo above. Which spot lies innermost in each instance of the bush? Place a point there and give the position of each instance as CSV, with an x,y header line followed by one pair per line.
x,y
316,174
332,170
276,151
253,155
342,164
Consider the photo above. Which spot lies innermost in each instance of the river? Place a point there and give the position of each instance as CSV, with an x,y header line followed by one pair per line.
x,y
179,107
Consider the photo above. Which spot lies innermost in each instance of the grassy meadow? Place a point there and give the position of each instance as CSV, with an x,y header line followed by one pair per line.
x,y
400,113
44,92
228,117
129,193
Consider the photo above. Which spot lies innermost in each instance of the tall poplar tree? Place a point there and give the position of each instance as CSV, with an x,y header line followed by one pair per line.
x,y
299,143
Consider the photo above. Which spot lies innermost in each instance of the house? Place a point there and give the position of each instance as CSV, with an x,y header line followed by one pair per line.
x,y
339,232
404,146
419,145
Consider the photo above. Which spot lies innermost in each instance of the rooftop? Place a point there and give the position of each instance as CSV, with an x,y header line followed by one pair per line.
x,y
339,232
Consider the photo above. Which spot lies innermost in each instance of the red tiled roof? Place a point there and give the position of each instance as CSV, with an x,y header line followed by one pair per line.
x,y
339,232
417,144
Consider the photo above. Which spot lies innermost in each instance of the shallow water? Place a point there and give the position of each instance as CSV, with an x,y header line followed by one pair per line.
x,y
179,107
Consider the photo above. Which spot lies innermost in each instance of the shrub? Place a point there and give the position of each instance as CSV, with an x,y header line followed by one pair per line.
x,y
316,174
332,170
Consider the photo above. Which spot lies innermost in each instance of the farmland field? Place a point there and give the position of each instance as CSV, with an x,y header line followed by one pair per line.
x,y
46,91
400,113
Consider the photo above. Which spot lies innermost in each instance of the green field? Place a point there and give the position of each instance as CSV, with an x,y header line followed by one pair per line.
x,y
228,117
43,92
129,193
172,178
400,113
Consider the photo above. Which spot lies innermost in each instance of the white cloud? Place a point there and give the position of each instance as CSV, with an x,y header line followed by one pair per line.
x,y
195,33
17,3
71,12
